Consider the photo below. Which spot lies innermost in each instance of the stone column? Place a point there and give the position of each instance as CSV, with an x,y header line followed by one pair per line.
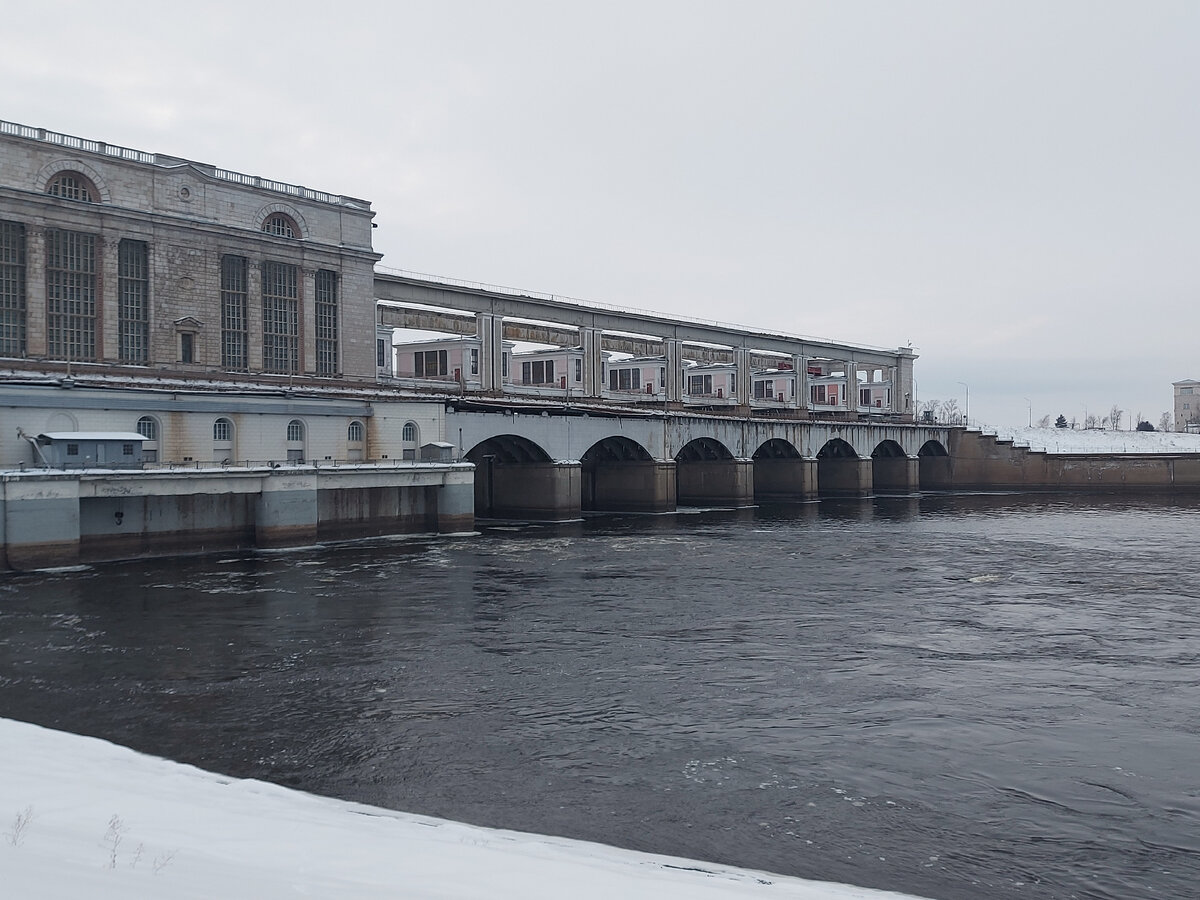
x,y
490,331
254,316
800,367
591,340
851,388
673,350
902,391
741,359
108,298
306,312
35,292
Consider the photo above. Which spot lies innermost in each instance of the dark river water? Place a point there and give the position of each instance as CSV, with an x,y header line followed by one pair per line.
x,y
961,696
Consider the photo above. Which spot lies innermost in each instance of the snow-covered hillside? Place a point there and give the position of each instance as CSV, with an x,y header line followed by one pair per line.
x,y
80,817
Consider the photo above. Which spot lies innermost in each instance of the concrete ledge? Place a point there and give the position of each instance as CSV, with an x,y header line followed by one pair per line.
x,y
61,518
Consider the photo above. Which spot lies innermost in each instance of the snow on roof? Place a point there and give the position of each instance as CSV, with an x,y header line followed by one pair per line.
x,y
90,436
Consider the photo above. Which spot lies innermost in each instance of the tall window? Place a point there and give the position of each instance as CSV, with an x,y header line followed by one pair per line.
x,y
409,434
12,289
380,353
71,294
72,186
235,295
354,434
281,352
147,427
133,311
326,291
295,430
222,431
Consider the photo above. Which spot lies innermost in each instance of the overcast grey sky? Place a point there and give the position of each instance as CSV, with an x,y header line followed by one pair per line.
x,y
1011,186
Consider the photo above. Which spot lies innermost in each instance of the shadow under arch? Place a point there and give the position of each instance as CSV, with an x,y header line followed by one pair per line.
x,y
891,469
780,473
516,479
708,474
841,472
619,474
935,467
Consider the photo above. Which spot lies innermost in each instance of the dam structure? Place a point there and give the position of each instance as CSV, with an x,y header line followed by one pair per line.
x,y
193,358
626,410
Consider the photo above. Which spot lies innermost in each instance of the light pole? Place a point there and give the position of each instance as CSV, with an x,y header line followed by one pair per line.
x,y
1030,402
966,403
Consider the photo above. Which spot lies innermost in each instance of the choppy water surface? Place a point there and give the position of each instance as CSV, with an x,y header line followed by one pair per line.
x,y
961,697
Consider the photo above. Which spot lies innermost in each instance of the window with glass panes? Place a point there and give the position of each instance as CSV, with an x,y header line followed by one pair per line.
x,y
71,294
133,310
430,363
280,292
235,295
71,186
12,289
325,286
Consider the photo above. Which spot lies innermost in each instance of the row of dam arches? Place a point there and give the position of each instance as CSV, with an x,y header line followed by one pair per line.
x,y
517,478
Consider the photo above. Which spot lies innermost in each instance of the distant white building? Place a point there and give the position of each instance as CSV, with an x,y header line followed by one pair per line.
x,y
1187,405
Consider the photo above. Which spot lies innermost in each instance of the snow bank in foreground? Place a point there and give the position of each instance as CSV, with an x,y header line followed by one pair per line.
x,y
1068,440
80,817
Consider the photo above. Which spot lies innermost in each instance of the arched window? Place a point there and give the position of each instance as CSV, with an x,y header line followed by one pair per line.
x,y
354,434
295,430
72,186
147,427
222,431
409,439
280,225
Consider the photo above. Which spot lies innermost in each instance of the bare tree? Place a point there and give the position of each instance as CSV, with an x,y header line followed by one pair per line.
x,y
950,411
1164,422
1114,417
1044,422
1089,421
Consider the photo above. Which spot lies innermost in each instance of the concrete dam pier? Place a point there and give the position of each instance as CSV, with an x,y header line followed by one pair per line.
x,y
54,518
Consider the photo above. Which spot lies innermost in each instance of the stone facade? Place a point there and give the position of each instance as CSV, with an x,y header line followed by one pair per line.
x,y
114,257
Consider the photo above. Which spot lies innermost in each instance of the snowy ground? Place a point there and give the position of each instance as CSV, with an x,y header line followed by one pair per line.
x,y
80,817
1067,440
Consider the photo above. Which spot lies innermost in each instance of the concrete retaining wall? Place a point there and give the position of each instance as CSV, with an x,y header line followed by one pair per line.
x,y
981,462
63,518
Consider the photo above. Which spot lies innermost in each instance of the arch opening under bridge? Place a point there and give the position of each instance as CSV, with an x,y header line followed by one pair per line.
x,y
619,474
781,472
893,471
708,474
515,478
841,472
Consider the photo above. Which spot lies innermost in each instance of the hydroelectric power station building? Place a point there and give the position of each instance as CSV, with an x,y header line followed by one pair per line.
x,y
243,328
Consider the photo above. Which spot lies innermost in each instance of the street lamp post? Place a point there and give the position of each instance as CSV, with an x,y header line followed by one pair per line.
x,y
966,403
1030,402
